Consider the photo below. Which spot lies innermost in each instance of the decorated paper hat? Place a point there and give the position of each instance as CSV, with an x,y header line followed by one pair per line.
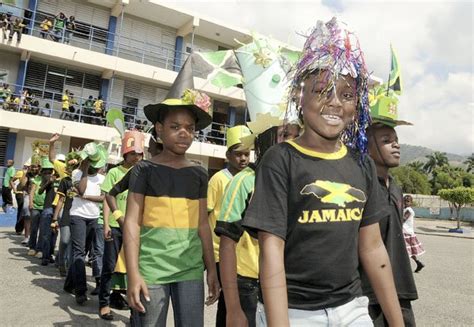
x,y
183,95
265,66
45,163
27,163
260,125
133,141
95,153
234,134
73,159
384,106
332,48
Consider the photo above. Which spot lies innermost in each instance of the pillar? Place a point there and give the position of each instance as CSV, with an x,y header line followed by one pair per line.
x,y
178,51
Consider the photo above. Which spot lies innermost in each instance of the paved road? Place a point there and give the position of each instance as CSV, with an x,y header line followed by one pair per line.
x,y
31,295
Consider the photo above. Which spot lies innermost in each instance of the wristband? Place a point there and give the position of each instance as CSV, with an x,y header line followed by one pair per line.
x,y
117,214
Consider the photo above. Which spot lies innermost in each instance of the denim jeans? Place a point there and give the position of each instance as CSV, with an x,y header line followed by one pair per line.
x,y
97,251
187,298
33,243
375,311
47,236
81,229
65,247
111,252
354,314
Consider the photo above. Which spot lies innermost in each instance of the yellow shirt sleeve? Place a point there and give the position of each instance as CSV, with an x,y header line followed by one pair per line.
x,y
60,168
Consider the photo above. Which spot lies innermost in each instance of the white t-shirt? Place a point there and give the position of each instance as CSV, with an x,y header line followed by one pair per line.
x,y
85,208
409,224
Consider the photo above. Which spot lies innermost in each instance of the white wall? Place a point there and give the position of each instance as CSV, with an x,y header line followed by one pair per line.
x,y
9,62
23,148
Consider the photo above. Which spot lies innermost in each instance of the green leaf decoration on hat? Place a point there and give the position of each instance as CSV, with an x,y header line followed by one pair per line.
x,y
116,119
219,67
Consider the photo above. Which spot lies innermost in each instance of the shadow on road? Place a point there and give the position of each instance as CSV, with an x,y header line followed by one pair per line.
x,y
47,277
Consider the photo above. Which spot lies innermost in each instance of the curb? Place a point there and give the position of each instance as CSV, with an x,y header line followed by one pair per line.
x,y
445,235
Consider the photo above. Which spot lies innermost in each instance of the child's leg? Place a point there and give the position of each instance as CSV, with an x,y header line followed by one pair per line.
x,y
188,303
156,310
248,294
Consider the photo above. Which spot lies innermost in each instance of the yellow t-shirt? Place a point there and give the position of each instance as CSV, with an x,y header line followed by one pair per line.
x,y
65,99
46,25
98,106
60,168
215,194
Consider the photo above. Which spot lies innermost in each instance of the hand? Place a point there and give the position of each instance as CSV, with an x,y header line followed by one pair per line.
x,y
107,233
236,318
213,287
84,165
54,138
136,287
54,226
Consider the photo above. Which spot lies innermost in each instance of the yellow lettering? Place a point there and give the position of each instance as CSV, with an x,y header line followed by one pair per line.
x,y
329,215
356,214
341,215
315,217
304,218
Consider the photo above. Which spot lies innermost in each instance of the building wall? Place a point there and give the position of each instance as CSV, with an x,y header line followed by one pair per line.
x,y
9,62
23,149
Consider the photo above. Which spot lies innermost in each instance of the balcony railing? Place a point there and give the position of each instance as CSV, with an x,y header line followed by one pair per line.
x,y
81,111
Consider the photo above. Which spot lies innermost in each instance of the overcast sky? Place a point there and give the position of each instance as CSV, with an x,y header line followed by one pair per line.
x,y
433,40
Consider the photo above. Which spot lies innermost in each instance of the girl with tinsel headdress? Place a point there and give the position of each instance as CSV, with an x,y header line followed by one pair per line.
x,y
316,202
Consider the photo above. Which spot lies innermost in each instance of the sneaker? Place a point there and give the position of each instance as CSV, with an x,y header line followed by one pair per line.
x,y
81,299
118,302
25,240
39,254
31,252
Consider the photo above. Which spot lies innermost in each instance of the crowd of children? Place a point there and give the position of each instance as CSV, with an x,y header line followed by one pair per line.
x,y
310,234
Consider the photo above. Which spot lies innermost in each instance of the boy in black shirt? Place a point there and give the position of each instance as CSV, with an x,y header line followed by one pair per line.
x,y
315,204
385,151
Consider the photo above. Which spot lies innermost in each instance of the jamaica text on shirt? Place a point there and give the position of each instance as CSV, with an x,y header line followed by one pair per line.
x,y
330,215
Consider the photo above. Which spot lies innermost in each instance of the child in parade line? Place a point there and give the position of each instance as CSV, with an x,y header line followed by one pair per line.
x,y
238,250
384,149
61,218
132,151
316,201
84,213
238,159
19,184
7,197
413,245
167,238
31,175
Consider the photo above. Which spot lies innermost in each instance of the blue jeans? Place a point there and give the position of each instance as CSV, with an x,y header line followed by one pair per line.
x,y
188,305
97,251
65,247
47,236
111,252
81,229
33,243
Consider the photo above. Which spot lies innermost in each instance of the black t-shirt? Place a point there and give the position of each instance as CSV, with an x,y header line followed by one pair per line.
x,y
66,189
391,229
316,202
50,192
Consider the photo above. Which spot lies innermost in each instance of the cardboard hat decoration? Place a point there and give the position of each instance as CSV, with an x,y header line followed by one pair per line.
x,y
384,106
95,153
265,66
133,141
183,95
46,164
73,159
234,134
27,163
260,125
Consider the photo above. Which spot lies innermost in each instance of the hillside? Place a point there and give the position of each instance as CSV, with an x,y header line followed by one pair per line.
x,y
411,153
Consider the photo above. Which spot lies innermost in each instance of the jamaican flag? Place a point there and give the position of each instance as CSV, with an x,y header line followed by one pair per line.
x,y
394,79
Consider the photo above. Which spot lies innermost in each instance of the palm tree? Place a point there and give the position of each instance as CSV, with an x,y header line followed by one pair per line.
x,y
416,165
470,163
436,159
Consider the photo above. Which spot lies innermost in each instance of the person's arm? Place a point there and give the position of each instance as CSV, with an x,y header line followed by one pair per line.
x,y
82,185
32,195
116,213
273,279
204,232
106,213
94,198
12,183
58,208
228,270
131,243
52,151
45,185
376,263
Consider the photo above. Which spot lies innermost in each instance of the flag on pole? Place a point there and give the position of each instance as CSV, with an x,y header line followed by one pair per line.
x,y
394,80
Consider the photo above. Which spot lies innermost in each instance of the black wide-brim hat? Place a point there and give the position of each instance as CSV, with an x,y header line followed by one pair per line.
x,y
183,95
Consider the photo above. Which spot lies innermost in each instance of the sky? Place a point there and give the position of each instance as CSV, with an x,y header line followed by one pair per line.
x,y
433,41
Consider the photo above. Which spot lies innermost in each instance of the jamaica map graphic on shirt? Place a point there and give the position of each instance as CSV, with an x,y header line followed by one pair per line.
x,y
335,193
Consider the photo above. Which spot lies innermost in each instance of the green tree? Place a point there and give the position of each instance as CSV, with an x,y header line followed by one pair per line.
x,y
470,163
446,177
417,165
458,197
410,180
436,159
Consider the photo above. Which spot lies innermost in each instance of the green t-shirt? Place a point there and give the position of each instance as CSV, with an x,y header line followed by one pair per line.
x,y
113,177
38,199
8,176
